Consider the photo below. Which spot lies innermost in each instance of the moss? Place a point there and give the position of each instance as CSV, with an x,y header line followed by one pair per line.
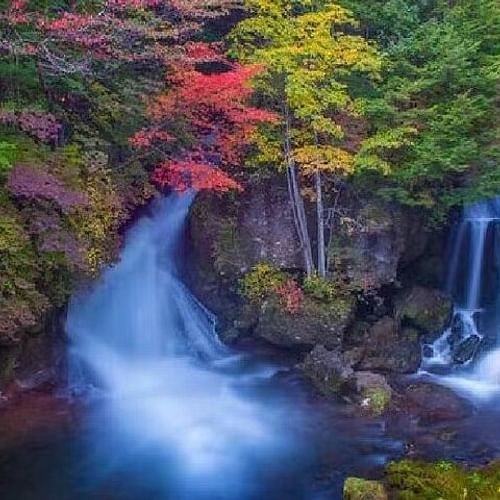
x,y
413,480
377,400
319,288
315,323
425,308
362,489
8,359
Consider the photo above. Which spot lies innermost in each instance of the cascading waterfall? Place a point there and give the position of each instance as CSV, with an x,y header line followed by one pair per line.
x,y
470,348
168,394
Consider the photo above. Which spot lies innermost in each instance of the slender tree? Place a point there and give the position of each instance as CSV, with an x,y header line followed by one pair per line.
x,y
311,66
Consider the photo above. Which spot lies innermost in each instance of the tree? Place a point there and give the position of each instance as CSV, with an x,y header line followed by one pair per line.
x,y
312,67
433,123
218,124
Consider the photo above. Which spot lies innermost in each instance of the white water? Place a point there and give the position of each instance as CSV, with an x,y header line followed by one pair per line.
x,y
171,396
481,380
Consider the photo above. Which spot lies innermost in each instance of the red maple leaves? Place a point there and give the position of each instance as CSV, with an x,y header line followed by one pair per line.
x,y
214,107
192,173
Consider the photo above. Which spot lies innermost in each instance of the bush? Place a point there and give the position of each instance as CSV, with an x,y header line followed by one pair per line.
x,y
262,281
319,288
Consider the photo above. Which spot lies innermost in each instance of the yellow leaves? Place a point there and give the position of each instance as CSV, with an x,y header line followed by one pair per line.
x,y
97,225
324,158
269,149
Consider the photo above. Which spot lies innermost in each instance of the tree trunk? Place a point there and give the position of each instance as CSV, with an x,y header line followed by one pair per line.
x,y
320,220
298,209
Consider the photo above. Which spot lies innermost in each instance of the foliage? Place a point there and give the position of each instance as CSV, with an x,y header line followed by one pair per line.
x,y
262,281
319,288
433,126
290,295
428,481
73,77
218,121
310,62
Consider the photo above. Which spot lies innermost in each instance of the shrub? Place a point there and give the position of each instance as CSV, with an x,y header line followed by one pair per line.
x,y
262,281
319,288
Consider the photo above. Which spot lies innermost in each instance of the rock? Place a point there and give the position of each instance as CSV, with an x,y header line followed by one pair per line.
x,y
315,323
430,403
229,237
428,351
426,309
388,348
465,351
328,370
362,489
374,391
232,236
367,246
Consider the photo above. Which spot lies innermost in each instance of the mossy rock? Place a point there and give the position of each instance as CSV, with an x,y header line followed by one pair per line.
x,y
329,371
413,480
362,489
427,309
375,392
315,323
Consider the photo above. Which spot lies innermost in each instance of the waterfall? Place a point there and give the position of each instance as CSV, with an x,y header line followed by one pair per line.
x,y
167,393
469,349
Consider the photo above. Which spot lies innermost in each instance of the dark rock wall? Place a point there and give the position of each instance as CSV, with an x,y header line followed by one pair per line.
x,y
382,260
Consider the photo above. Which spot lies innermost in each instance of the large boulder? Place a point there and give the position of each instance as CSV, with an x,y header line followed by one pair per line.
x,y
372,240
229,237
388,348
315,323
426,309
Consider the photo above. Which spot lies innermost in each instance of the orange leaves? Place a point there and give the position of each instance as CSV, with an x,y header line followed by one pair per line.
x,y
290,295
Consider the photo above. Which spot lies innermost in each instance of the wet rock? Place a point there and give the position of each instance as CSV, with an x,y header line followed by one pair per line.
x,y
465,351
362,489
328,370
388,348
427,309
373,240
374,391
315,323
232,236
428,403
427,351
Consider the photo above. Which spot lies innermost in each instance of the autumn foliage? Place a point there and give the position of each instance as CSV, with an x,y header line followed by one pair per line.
x,y
219,121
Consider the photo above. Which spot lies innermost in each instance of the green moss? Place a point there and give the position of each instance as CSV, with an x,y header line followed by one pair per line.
x,y
362,489
377,400
412,480
425,308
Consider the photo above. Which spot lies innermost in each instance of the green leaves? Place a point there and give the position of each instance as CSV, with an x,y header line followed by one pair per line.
x,y
433,128
309,64
7,157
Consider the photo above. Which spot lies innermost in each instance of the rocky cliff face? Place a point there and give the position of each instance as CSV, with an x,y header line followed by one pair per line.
x,y
381,264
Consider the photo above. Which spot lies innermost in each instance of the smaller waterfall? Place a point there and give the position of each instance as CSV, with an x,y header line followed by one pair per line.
x,y
469,349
